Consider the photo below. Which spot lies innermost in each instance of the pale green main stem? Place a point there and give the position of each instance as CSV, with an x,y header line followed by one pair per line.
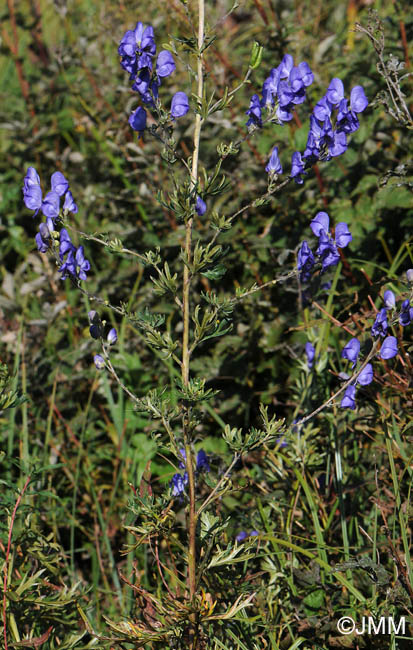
x,y
185,337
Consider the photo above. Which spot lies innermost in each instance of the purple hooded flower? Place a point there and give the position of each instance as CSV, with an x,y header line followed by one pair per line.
x,y
65,245
31,178
200,206
310,352
305,261
389,348
165,64
32,193
380,324
406,313
389,299
99,361
112,336
269,91
178,484
202,462
32,198
137,48
138,120
179,105
297,167
348,401
335,91
82,264
338,144
69,205
351,351
51,205
306,74
322,109
274,165
59,183
320,223
43,238
286,66
409,276
366,376
342,235
69,265
358,100
254,112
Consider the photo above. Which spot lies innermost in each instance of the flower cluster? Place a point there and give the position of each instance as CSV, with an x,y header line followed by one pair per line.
x,y
351,352
331,121
179,481
137,49
72,259
327,251
282,90
327,136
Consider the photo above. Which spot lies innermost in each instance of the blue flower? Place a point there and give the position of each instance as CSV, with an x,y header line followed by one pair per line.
x,y
310,352
69,205
389,348
254,112
274,165
202,462
42,238
335,91
138,120
137,48
366,375
322,109
82,264
305,261
327,247
380,324
59,183
200,206
65,245
179,105
320,223
241,536
165,64
342,235
348,401
406,314
178,484
351,351
147,89
297,167
99,361
112,336
51,205
269,91
358,100
389,299
32,193
95,329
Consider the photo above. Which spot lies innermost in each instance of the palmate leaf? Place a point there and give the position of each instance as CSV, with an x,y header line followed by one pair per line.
x,y
216,273
9,398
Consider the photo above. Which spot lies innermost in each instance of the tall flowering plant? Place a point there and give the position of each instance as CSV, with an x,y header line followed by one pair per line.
x,y
183,525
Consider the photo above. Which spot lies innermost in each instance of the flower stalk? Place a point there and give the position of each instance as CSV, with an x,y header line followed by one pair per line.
x,y
185,337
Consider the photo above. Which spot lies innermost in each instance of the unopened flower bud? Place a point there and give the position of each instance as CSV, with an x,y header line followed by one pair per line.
x,y
99,361
112,336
